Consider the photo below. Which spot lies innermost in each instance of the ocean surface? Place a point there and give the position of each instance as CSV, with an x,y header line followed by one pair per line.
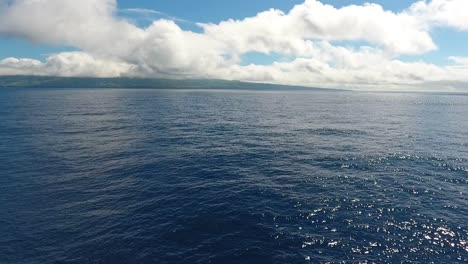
x,y
109,176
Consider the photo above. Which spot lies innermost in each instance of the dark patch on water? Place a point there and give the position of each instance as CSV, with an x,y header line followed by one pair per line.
x,y
333,132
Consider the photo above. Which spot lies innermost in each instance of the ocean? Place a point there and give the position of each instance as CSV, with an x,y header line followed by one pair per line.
x,y
109,176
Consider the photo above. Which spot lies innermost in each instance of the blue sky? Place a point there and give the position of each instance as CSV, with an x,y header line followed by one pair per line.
x,y
215,10
331,43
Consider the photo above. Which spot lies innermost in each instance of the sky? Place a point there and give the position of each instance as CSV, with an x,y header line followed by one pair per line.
x,y
363,45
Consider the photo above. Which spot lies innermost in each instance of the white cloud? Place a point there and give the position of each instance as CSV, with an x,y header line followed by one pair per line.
x,y
14,66
459,60
445,13
87,24
113,46
65,64
361,69
276,31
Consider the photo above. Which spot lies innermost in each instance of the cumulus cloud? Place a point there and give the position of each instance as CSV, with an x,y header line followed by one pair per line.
x,y
443,13
113,46
276,31
65,64
355,70
14,66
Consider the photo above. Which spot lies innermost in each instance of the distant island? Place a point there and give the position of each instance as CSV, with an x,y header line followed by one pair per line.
x,y
142,83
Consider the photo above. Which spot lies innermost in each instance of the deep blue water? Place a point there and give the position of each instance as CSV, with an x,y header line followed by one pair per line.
x,y
159,176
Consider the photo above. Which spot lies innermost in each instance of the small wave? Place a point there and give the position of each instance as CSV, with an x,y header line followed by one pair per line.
x,y
333,132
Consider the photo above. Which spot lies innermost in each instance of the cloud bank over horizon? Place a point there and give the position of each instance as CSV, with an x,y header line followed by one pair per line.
x,y
312,35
